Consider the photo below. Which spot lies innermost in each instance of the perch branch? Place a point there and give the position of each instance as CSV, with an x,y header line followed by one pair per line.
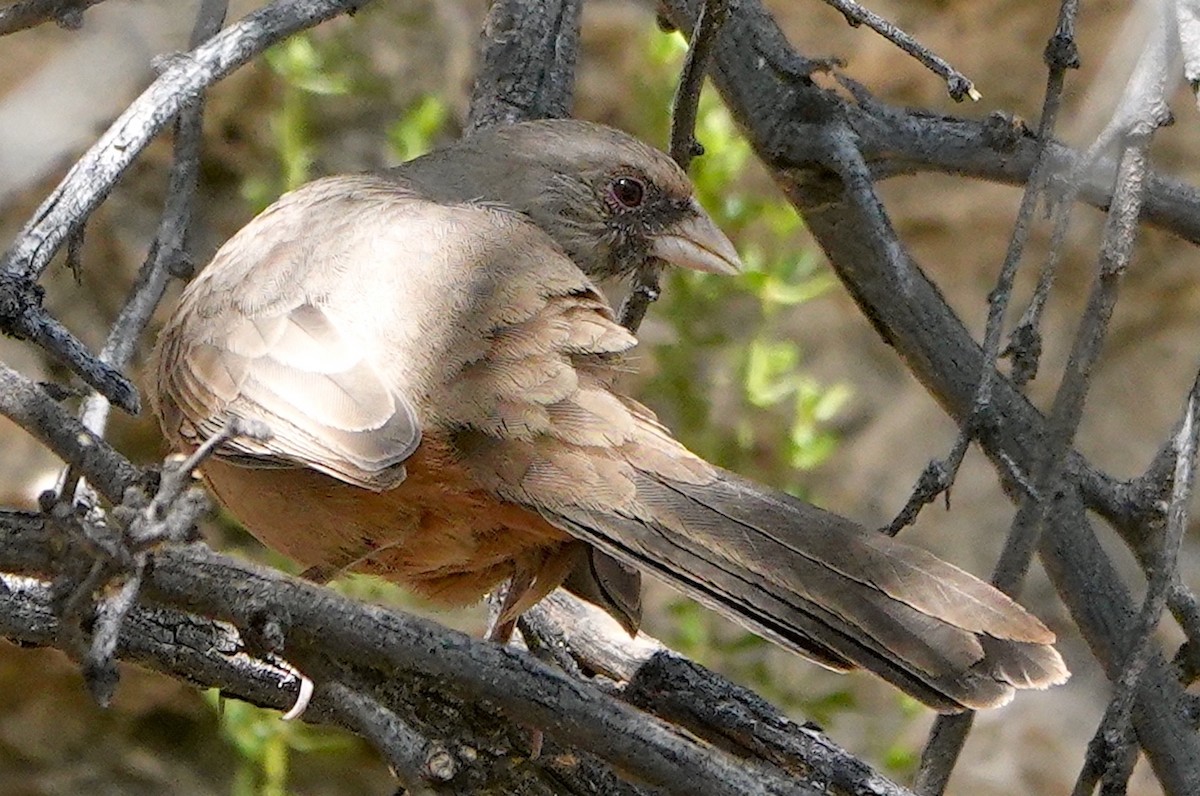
x,y
320,622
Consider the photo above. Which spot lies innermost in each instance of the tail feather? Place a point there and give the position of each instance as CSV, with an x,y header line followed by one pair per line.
x,y
829,589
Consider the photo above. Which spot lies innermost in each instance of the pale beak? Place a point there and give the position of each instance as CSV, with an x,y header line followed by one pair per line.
x,y
696,243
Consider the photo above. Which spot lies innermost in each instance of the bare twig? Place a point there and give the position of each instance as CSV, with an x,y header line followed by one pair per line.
x,y
644,289
1112,750
1116,249
949,733
168,256
1033,514
957,83
939,476
32,408
684,145
121,554
31,13
22,316
93,176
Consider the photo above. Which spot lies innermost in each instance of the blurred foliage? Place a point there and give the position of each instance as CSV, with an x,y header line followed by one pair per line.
x,y
264,744
302,71
413,133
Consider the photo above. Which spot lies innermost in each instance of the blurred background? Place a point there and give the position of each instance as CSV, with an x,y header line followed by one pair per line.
x,y
773,373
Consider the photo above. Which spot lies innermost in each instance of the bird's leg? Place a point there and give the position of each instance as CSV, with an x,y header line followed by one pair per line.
x,y
501,627
531,581
526,588
504,622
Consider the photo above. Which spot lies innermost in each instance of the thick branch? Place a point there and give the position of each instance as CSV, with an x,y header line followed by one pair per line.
x,y
527,63
31,13
316,621
896,141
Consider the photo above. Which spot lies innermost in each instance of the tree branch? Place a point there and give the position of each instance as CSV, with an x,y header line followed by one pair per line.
x,y
371,678
527,63
316,621
31,13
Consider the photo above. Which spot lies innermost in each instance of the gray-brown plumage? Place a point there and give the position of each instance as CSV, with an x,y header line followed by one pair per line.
x,y
437,367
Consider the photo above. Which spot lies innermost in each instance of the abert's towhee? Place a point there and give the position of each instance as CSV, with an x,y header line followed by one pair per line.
x,y
436,366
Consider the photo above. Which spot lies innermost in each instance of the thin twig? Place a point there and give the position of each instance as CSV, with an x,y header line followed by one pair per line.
x,y
169,516
939,476
957,83
949,733
1067,409
1142,106
100,663
93,176
22,316
91,179
645,288
31,407
684,107
1142,111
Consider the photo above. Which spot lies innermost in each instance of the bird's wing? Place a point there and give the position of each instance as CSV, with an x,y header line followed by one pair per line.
x,y
337,314
600,466
264,333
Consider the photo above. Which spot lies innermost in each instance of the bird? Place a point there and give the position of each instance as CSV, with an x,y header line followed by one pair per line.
x,y
431,351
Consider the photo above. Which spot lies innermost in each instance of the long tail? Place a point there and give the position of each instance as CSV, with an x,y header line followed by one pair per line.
x,y
829,589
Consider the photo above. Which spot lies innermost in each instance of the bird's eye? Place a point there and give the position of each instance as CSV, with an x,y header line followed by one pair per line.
x,y
628,192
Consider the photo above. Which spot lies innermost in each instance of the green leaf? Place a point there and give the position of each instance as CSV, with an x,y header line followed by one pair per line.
x,y
769,371
413,133
302,66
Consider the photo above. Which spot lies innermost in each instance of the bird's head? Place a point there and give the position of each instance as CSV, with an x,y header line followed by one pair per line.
x,y
612,202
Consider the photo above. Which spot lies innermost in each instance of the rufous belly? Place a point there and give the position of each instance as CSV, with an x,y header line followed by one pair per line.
x,y
436,533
